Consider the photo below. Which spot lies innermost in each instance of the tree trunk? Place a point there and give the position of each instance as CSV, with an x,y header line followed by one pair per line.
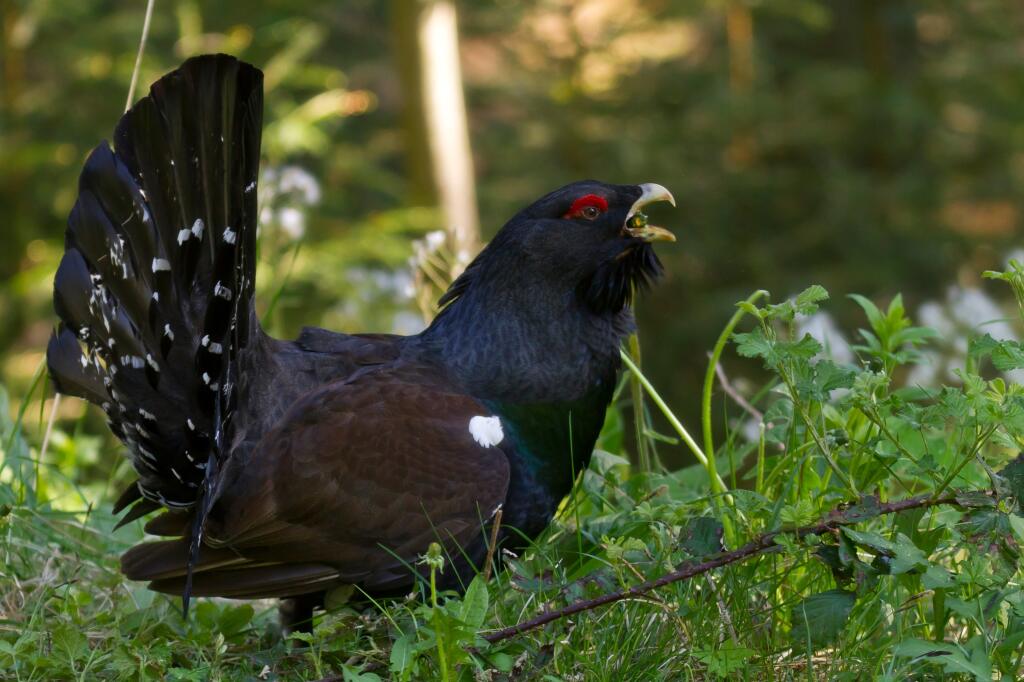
x,y
438,156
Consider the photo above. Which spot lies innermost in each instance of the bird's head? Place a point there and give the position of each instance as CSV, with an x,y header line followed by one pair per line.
x,y
590,238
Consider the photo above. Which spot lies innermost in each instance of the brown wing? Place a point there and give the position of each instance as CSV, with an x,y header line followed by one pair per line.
x,y
356,479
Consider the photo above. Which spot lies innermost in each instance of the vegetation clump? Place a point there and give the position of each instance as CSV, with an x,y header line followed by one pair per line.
x,y
848,527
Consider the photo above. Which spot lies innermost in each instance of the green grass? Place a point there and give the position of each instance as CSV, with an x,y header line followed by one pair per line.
x,y
920,594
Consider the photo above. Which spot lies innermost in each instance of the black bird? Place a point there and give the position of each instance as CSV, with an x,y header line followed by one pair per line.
x,y
286,468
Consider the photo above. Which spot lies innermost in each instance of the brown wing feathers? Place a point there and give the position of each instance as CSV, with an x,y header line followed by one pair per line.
x,y
359,477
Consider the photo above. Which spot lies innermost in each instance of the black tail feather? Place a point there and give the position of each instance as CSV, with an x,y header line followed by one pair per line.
x,y
138,510
155,288
128,496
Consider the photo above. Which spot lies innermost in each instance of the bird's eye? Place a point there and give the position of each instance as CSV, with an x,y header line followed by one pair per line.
x,y
588,207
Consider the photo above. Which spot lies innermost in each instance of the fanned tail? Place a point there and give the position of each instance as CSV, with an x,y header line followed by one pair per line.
x,y
155,289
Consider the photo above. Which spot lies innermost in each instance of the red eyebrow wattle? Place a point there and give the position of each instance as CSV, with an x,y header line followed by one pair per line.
x,y
587,200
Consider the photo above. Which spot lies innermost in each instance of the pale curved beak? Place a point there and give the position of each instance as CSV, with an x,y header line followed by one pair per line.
x,y
636,222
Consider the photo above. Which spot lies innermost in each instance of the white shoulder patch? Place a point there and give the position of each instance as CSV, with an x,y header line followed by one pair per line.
x,y
486,430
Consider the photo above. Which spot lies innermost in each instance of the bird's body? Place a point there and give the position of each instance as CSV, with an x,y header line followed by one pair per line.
x,y
291,467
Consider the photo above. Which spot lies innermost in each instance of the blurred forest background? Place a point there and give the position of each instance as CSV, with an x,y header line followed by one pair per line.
x,y
872,146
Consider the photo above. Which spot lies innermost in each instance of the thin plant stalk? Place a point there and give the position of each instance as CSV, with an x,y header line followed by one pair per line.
x,y
639,418
672,419
718,485
435,561
709,382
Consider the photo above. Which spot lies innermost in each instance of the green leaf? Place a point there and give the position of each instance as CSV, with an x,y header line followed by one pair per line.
x,y
872,540
1017,525
1013,474
234,619
338,597
823,377
350,674
908,556
725,661
874,315
807,300
952,657
475,603
402,657
904,554
307,637
818,619
754,344
1006,355
937,577
806,348
868,508
829,376
801,513
702,536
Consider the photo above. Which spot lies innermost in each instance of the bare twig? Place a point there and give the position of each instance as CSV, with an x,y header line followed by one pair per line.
x,y
759,545
737,397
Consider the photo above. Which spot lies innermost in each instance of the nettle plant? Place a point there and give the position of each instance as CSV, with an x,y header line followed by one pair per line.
x,y
940,582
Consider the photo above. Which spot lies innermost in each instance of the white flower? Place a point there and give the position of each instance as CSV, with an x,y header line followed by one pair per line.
x,y
296,179
292,221
434,240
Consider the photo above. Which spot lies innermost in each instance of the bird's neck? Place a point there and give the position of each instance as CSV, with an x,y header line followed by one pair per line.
x,y
547,366
514,345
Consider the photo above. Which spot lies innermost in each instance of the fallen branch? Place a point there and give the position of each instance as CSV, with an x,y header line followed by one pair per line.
x,y
868,509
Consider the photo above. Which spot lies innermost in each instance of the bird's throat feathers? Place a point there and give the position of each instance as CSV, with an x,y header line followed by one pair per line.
x,y
523,341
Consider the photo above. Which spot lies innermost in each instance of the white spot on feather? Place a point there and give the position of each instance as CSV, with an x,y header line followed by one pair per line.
x,y
147,455
222,291
229,235
161,264
197,228
183,236
486,430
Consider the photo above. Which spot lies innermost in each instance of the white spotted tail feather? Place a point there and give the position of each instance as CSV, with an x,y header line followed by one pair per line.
x,y
155,288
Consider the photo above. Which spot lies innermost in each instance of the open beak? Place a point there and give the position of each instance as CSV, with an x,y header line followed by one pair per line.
x,y
636,222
